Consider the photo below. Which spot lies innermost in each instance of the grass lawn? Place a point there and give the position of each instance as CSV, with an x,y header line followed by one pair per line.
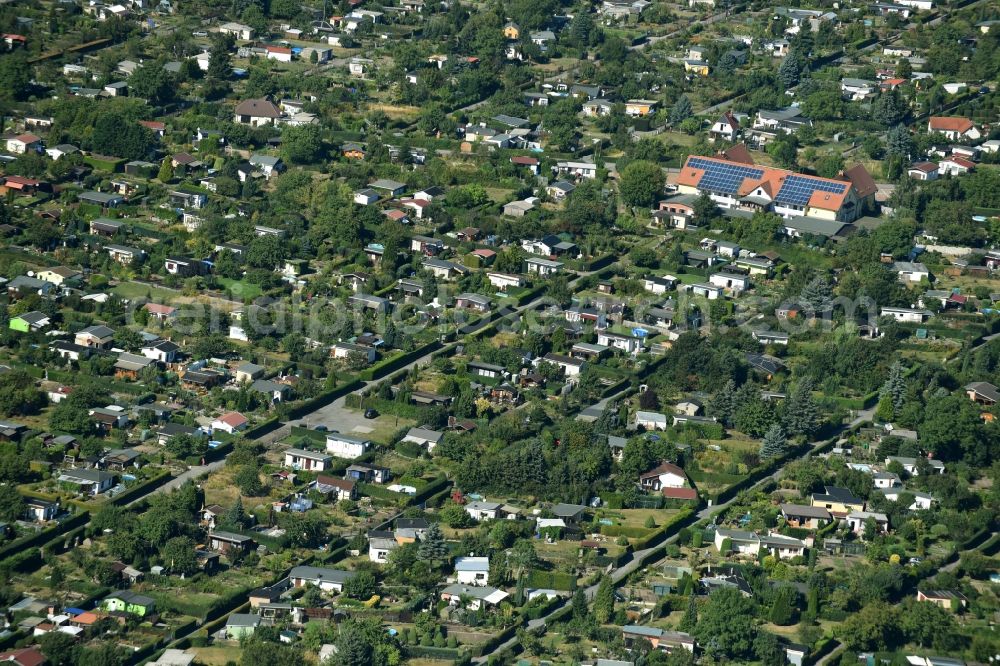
x,y
134,290
690,278
677,138
217,656
637,517
240,288
499,194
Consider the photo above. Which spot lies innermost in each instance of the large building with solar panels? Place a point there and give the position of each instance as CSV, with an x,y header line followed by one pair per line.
x,y
749,187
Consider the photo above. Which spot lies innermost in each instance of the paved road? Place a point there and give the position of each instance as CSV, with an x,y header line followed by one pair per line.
x,y
191,474
659,38
639,557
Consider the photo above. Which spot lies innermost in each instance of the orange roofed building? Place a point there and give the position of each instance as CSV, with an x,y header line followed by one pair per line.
x,y
748,187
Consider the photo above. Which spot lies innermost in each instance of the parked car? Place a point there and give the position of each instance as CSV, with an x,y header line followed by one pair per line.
x,y
370,413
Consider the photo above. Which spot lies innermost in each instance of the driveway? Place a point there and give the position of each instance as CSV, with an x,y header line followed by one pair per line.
x,y
347,420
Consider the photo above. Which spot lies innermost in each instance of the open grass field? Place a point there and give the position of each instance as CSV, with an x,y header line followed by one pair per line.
x,y
217,656
397,111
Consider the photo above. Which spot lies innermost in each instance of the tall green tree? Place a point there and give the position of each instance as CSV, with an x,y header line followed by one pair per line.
x,y
15,76
604,600
723,404
641,183
894,387
889,108
11,503
433,548
802,415
681,110
726,625
166,172
899,142
774,443
690,618
790,70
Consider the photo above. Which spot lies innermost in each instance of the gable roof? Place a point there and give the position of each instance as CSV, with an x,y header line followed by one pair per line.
x,y
738,153
258,108
804,511
233,419
321,574
950,124
863,182
665,467
719,175
985,389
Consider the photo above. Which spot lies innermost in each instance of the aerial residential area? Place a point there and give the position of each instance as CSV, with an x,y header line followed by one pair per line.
x,y
372,333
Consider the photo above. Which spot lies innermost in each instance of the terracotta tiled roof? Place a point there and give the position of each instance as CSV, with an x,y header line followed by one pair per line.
x,y
961,161
680,493
774,179
950,124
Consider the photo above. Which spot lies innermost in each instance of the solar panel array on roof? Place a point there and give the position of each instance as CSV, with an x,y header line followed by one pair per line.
x,y
723,177
797,190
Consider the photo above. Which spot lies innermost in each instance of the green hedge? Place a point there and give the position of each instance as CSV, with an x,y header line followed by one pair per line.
x,y
141,489
441,654
493,643
659,534
262,429
530,295
552,580
380,492
401,409
110,164
322,400
31,543
432,488
388,365
314,435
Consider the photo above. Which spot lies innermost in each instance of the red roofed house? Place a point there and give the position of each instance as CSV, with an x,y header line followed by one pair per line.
x,y
666,475
154,126
418,206
524,160
231,423
396,216
182,159
342,489
485,255
12,40
30,656
24,185
279,53
726,127
738,153
863,183
955,166
688,494
889,84
954,128
923,171
734,185
22,143
161,312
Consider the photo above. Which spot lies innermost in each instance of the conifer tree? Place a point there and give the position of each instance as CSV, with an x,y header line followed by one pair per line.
x,y
774,443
